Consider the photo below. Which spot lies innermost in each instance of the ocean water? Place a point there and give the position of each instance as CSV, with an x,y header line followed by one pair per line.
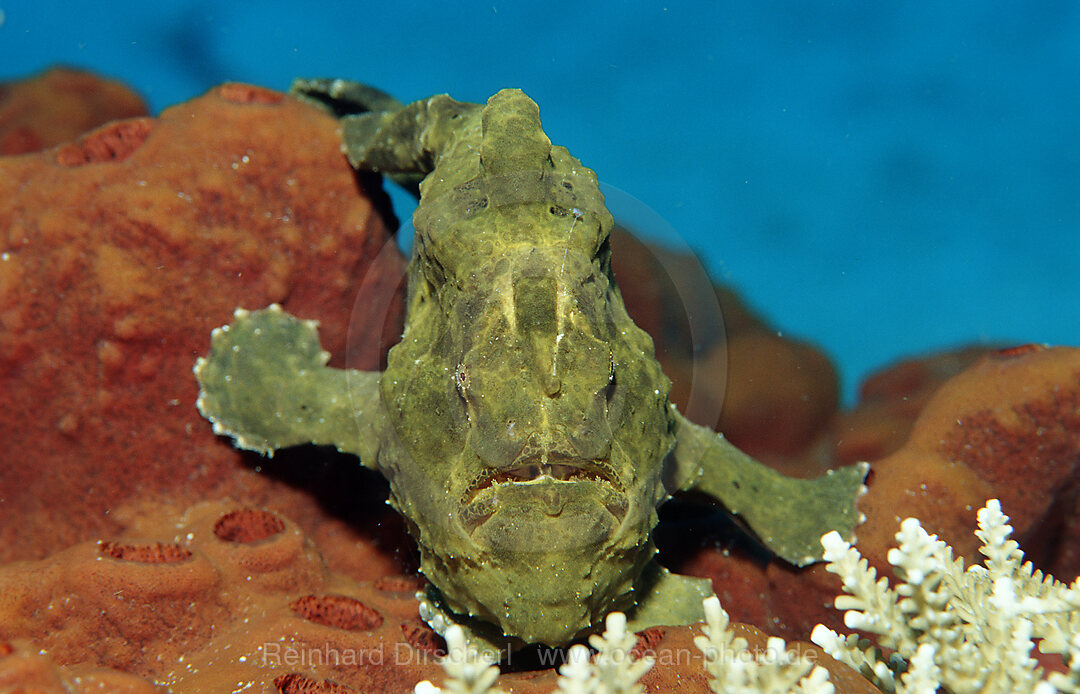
x,y
883,179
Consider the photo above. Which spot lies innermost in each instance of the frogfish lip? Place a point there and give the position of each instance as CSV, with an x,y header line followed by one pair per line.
x,y
547,476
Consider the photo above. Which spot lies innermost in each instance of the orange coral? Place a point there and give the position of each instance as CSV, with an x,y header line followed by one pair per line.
x,y
248,525
1007,427
118,254
772,396
111,143
57,105
339,611
163,610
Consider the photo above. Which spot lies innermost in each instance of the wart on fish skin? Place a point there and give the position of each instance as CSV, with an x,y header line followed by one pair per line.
x,y
523,421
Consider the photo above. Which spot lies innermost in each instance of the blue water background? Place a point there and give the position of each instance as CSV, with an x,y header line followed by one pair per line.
x,y
884,179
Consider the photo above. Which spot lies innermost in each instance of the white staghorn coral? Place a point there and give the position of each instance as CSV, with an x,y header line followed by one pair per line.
x,y
576,675
467,671
962,630
736,670
613,670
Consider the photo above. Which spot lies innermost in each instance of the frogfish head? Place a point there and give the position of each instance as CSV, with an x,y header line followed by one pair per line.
x,y
532,420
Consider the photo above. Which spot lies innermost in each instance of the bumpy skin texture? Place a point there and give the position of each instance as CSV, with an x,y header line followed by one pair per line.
x,y
523,422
